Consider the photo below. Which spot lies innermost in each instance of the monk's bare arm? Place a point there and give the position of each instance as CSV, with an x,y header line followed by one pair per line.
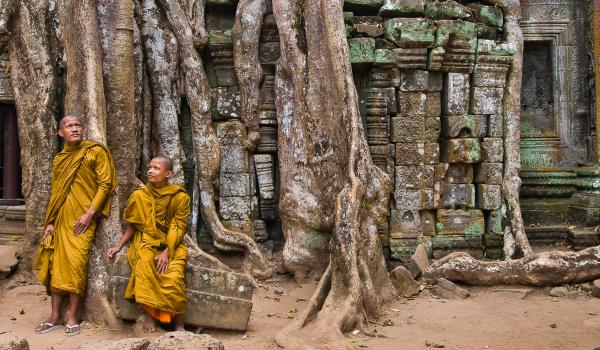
x,y
126,237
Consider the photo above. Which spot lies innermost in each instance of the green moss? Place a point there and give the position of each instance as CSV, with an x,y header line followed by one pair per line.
x,y
362,50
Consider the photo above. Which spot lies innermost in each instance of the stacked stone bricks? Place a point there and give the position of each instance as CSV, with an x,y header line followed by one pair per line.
x,y
432,79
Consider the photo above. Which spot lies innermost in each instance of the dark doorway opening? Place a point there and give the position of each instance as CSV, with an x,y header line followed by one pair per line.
x,y
10,157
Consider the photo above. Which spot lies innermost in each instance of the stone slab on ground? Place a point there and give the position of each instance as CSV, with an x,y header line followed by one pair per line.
x,y
186,341
8,260
448,290
559,292
215,298
404,282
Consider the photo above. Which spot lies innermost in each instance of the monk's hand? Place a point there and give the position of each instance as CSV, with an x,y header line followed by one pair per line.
x,y
49,231
83,223
112,252
162,261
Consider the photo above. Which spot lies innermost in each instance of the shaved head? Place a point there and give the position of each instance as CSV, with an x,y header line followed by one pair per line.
x,y
168,162
66,117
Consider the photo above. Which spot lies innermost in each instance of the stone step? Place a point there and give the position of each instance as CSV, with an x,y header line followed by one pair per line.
x,y
215,298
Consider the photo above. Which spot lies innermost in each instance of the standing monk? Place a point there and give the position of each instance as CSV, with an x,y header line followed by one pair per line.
x,y
157,216
83,179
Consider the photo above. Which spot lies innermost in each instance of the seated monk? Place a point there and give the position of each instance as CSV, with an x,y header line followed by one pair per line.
x,y
157,216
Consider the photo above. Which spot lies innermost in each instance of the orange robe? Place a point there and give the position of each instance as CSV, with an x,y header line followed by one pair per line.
x,y
83,176
160,218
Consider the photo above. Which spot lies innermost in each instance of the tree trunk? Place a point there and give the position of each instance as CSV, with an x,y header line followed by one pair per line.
x,y
324,154
514,234
539,269
33,74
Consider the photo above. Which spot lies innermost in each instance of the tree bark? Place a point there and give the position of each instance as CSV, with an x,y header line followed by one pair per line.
x,y
515,230
539,269
33,74
323,155
206,144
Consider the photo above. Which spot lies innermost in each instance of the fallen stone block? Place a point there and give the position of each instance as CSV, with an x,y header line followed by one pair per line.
x,y
186,341
404,282
8,260
452,289
559,292
596,288
215,298
418,262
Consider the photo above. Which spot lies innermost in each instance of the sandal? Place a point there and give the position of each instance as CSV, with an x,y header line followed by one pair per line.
x,y
73,330
47,327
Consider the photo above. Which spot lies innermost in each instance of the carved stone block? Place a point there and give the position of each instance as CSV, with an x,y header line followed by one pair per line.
x,y
377,120
269,52
459,222
432,153
405,224
464,126
408,129
410,58
419,104
238,184
460,151
487,100
227,102
440,171
420,80
428,222
409,176
489,173
410,153
494,223
455,94
489,197
449,31
433,128
236,208
380,156
458,196
492,150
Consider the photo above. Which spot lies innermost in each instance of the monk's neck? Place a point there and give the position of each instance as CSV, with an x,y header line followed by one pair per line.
x,y
160,184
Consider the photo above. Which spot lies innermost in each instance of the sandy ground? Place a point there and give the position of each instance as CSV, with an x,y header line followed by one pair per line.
x,y
492,318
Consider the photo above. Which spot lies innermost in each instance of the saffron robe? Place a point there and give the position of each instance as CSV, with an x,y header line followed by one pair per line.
x,y
83,176
160,218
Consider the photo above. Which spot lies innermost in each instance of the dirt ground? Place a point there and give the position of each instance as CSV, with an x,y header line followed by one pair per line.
x,y
492,318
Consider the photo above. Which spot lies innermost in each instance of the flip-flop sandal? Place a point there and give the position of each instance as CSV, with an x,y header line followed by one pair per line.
x,y
73,330
47,327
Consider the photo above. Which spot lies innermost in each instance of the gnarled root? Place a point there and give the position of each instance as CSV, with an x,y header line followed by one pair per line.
x,y
540,269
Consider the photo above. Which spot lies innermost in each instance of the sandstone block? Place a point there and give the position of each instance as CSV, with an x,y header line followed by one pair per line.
x,y
464,126
410,32
432,153
420,80
455,94
492,150
408,129
486,100
361,6
410,153
495,125
235,208
215,298
432,129
186,341
489,197
458,196
227,102
489,173
362,50
459,173
408,198
446,10
401,8
596,288
494,223
8,260
466,150
559,292
428,222
489,15
368,25
452,289
240,184
404,282
418,262
405,224
459,222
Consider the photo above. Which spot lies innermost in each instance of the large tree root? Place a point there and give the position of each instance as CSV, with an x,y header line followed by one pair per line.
x,y
355,285
206,144
540,269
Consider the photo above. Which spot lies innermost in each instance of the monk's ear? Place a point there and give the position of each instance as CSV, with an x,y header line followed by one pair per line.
x,y
60,133
169,173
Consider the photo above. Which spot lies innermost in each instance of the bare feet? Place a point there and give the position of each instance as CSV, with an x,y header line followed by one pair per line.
x,y
179,326
149,324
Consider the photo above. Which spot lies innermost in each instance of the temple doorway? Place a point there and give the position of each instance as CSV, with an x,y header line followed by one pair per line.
x,y
10,163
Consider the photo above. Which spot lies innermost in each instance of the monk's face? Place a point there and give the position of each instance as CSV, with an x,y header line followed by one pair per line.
x,y
158,173
71,130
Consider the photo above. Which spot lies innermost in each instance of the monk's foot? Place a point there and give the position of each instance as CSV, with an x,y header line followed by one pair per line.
x,y
179,326
149,324
54,320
